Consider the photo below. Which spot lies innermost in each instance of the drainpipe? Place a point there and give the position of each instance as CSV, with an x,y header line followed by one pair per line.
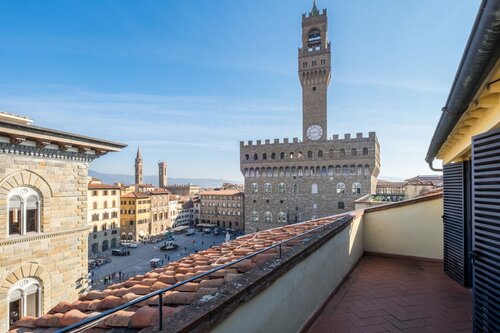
x,y
480,56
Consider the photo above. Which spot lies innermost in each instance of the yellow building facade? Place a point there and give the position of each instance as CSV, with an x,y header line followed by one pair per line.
x,y
135,217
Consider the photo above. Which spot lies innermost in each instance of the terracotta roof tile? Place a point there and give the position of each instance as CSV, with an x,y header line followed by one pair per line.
x,y
145,314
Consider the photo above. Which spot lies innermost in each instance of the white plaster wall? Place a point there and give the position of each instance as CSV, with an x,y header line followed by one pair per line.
x,y
414,230
287,304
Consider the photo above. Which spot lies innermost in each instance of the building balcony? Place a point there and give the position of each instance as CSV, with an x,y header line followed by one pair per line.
x,y
375,270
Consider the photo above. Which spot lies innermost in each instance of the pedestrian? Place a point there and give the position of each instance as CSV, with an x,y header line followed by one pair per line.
x,y
168,258
202,243
165,256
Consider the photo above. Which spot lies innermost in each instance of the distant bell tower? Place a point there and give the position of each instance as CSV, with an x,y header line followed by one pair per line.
x,y
138,167
314,74
162,174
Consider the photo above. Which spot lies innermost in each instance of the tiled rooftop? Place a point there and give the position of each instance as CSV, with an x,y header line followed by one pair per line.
x,y
146,313
397,295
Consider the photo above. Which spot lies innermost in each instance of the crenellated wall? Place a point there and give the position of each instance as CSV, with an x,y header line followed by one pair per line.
x,y
312,180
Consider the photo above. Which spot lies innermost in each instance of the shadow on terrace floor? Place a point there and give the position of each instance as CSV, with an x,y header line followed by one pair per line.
x,y
397,295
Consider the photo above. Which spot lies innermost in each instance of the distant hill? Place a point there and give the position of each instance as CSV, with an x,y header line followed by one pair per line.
x,y
129,179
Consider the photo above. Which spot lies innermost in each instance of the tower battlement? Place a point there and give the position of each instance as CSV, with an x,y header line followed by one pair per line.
x,y
294,141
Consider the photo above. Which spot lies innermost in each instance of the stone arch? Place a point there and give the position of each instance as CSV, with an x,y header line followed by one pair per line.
x,y
28,270
25,178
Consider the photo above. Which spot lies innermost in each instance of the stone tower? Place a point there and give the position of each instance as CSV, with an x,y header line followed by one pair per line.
x,y
292,180
314,74
138,167
162,174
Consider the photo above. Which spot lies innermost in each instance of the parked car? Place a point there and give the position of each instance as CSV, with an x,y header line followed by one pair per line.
x,y
118,252
189,232
207,230
132,245
217,232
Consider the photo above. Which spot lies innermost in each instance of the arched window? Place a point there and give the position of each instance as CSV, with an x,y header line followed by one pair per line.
x,y
338,169
360,169
354,152
294,171
267,187
295,189
356,188
247,157
281,187
105,246
324,171
257,172
275,172
268,217
282,155
15,217
330,170
309,154
269,172
24,211
352,169
342,152
320,154
255,216
345,170
255,156
282,172
25,299
291,155
282,217
247,172
252,172
365,151
300,155
287,172
254,187
340,205
273,156
315,206
314,188
330,153
300,171
340,188
367,170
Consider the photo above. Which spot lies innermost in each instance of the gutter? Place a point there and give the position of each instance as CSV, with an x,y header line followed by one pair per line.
x,y
480,56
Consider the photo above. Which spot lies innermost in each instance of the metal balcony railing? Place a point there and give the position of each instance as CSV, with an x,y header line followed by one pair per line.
x,y
94,320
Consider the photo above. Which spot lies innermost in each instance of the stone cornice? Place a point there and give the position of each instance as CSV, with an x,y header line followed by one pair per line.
x,y
42,152
39,236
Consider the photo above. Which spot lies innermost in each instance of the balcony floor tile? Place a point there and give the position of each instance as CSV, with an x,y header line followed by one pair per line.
x,y
397,295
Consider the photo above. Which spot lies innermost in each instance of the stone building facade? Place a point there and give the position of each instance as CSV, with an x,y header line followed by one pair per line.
x,y
43,216
297,180
223,208
188,189
103,215
160,220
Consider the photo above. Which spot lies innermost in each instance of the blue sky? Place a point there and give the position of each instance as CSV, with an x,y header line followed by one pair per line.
x,y
187,80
